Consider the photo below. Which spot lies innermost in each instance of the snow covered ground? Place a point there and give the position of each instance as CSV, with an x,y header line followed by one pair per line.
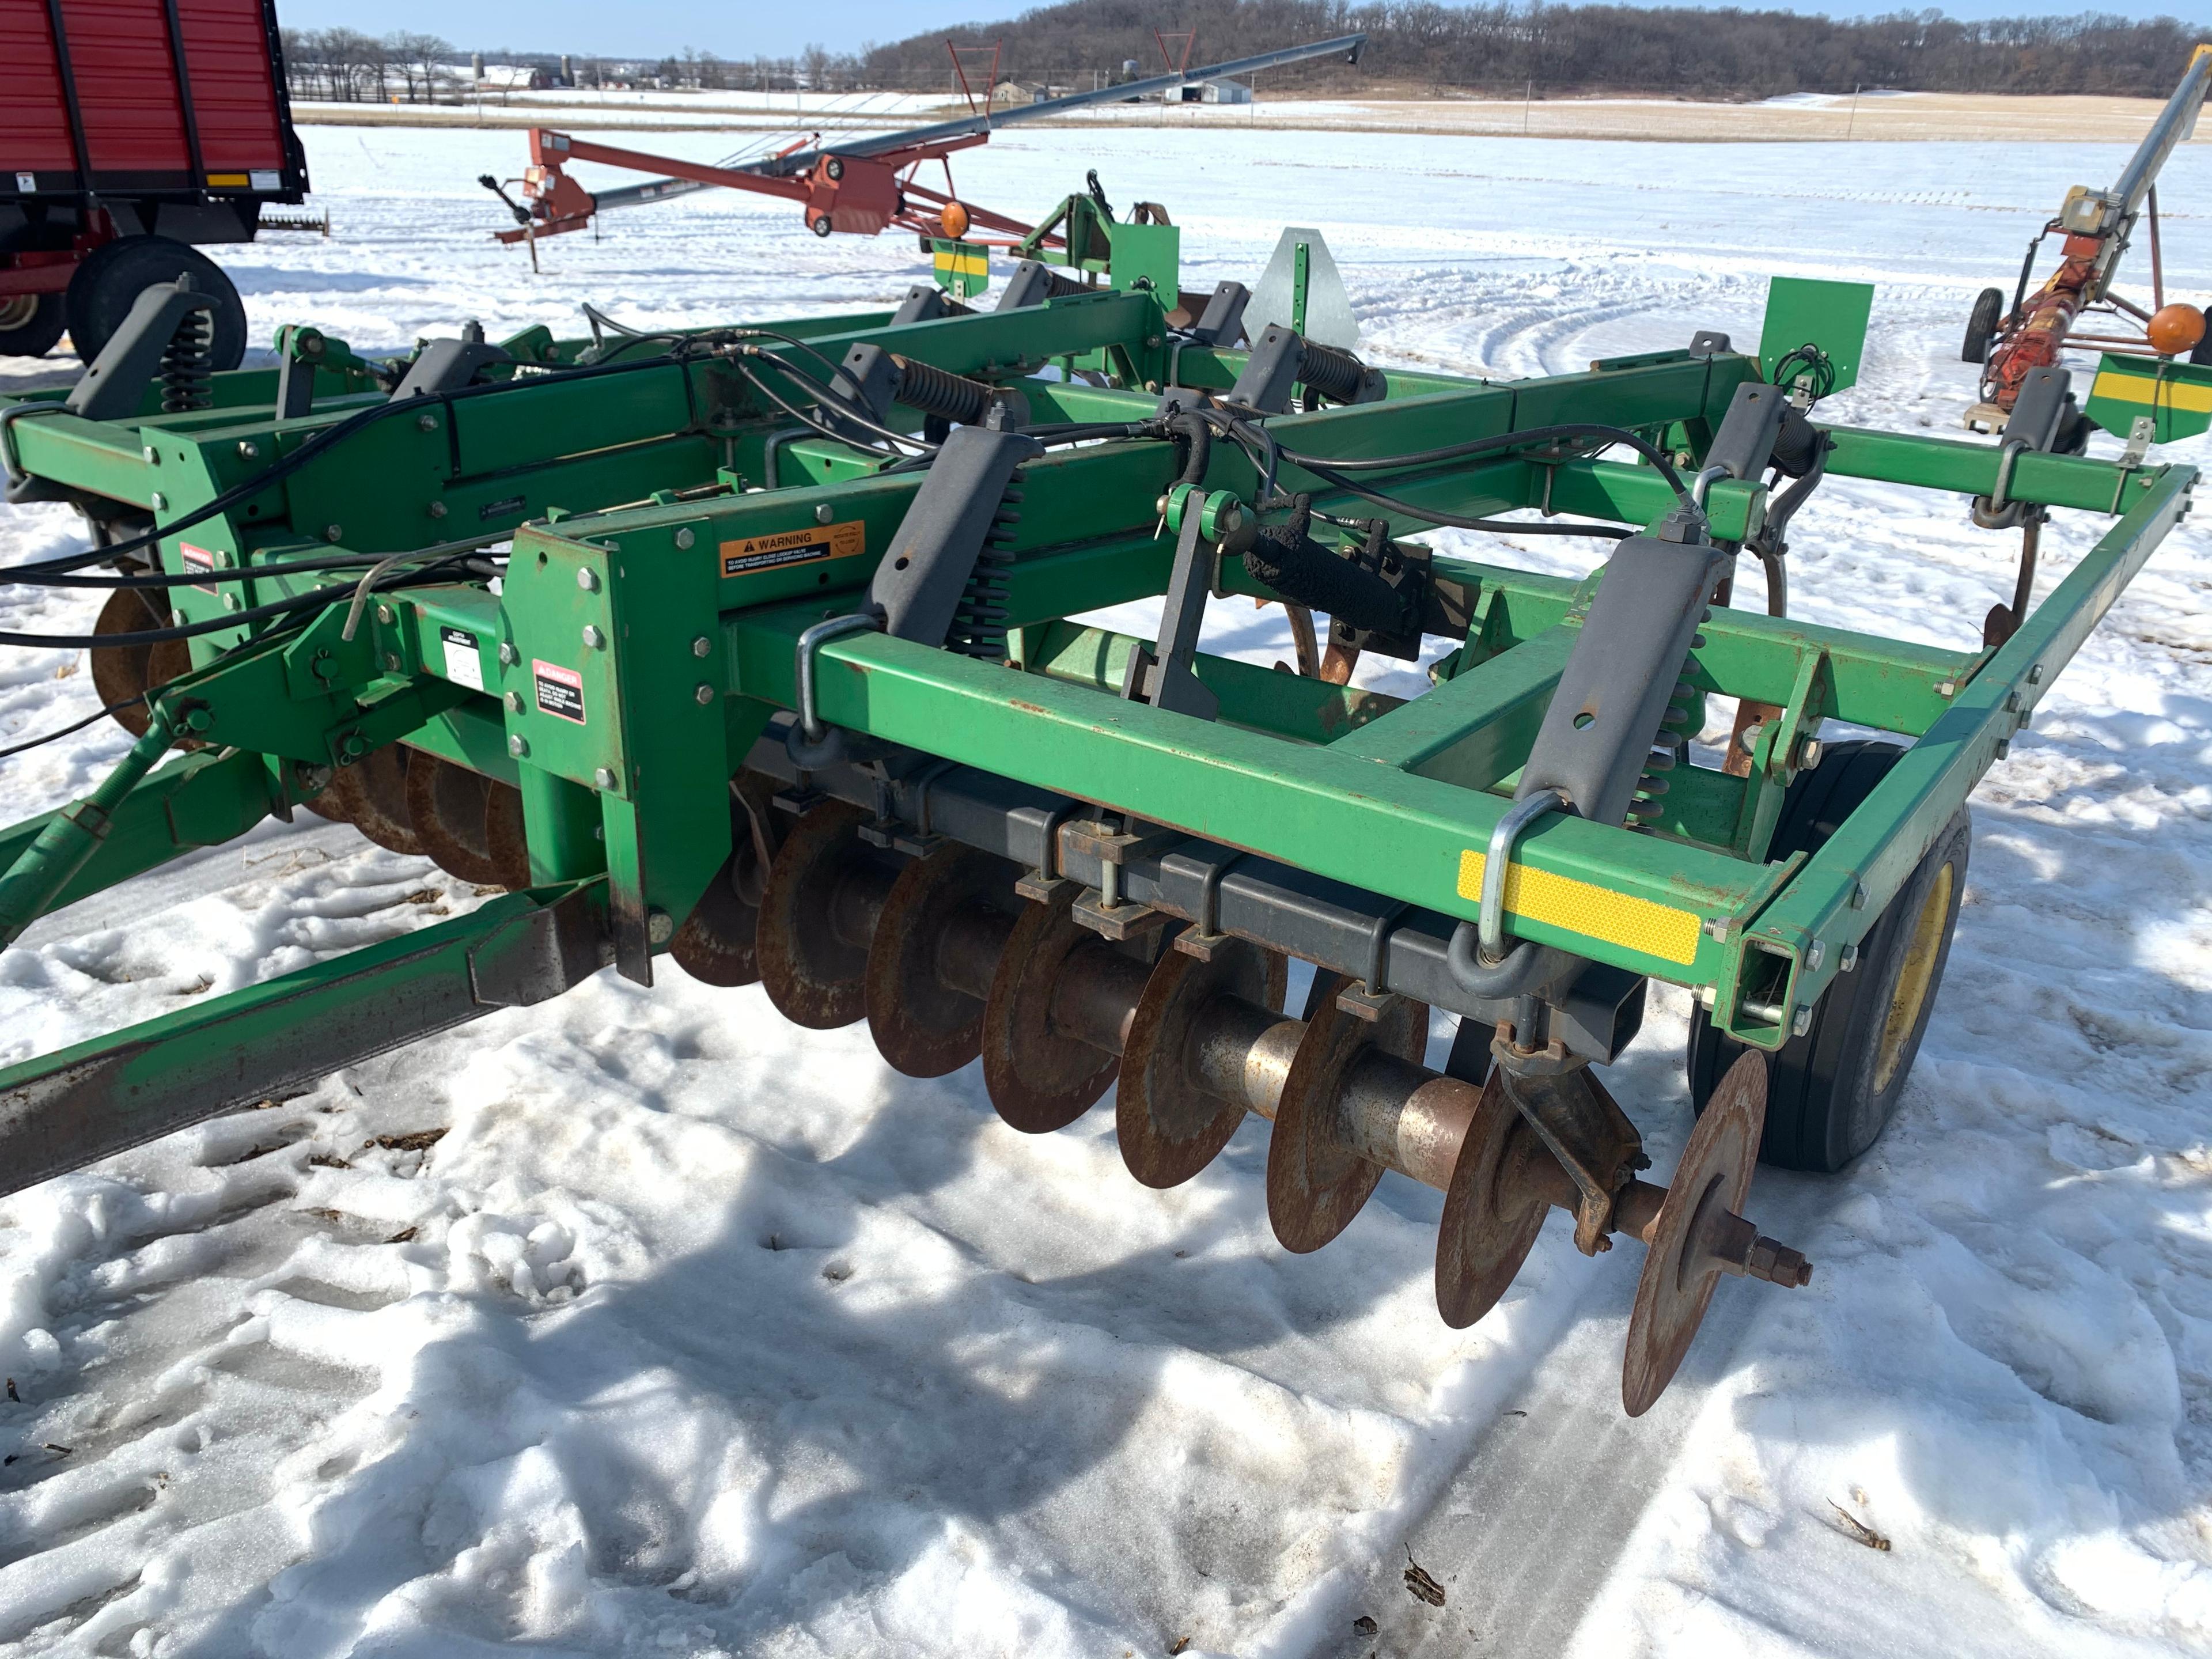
x,y
697,1335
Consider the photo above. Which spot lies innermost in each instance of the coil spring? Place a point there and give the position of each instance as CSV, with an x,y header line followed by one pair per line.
x,y
1332,372
1674,731
935,390
979,627
188,364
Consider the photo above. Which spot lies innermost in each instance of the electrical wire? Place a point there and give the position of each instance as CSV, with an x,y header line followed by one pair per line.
x,y
70,730
316,599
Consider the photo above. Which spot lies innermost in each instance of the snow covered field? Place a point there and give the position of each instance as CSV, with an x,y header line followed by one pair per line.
x,y
698,1334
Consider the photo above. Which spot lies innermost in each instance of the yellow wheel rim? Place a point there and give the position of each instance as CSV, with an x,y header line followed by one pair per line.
x,y
1919,973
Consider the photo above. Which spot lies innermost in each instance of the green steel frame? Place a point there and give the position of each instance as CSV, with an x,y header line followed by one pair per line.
x,y
631,500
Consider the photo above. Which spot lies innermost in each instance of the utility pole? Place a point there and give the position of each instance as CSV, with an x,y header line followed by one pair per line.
x,y
1854,120
1527,103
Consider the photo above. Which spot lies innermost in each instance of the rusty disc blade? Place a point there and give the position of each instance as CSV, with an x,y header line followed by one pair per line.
x,y
1169,1127
1316,1184
814,974
124,673
341,798
506,839
923,1026
1493,1210
1678,1278
446,809
375,798
715,945
1038,1079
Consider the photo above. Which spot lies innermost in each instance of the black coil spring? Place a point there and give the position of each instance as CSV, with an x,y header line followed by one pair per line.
x,y
935,390
1332,372
979,627
188,364
1675,733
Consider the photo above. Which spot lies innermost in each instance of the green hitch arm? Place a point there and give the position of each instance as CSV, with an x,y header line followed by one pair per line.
x,y
73,835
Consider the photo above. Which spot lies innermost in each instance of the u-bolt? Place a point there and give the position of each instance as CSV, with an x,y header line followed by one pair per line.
x,y
1490,928
860,622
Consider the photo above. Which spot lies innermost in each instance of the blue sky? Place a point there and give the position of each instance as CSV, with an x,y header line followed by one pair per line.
x,y
780,30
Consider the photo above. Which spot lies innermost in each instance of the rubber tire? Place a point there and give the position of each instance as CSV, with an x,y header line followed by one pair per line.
x,y
110,280
2201,353
38,335
1822,1108
1982,326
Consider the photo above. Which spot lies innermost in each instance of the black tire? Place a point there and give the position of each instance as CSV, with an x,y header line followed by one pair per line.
x,y
30,324
1832,1091
111,277
1982,326
2201,354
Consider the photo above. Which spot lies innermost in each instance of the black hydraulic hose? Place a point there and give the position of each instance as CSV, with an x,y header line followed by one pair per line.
x,y
1454,521
807,420
284,466
317,599
1535,435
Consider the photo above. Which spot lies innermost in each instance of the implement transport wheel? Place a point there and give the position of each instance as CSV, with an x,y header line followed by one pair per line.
x,y
1982,326
110,280
31,324
1832,1091
126,673
715,945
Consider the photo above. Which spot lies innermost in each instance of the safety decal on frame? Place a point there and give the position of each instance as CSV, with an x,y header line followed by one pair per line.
x,y
560,691
816,541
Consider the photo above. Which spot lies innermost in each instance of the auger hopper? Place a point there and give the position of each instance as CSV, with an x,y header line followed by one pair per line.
x,y
754,647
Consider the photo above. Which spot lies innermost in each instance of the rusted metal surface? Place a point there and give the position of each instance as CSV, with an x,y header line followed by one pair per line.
x,y
1685,1261
715,945
1039,1077
1503,1185
817,916
1174,1112
371,795
947,910
1315,1181
446,806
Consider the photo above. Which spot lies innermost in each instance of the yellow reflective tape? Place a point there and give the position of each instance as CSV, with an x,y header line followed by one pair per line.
x,y
1595,912
230,181
964,264
2184,395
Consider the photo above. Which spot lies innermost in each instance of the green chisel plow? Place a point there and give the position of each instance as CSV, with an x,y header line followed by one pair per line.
x,y
751,647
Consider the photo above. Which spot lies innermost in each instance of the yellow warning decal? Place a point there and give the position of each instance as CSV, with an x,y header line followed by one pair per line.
x,y
844,540
2148,389
1584,907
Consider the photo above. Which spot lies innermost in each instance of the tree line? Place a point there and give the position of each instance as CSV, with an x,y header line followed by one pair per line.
x,y
344,66
1563,49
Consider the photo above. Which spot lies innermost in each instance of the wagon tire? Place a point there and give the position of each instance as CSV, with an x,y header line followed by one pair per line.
x,y
31,324
111,277
1832,1091
1982,326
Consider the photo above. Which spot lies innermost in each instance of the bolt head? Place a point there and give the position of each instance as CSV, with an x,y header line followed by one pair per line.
x,y
605,777
517,745
1809,753
1801,1023
334,532
1816,954
230,601
392,662
437,509
150,455
684,539
1850,959
702,645
384,613
508,656
514,703
2035,674
588,580
593,638
824,513
660,926
248,450
703,696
